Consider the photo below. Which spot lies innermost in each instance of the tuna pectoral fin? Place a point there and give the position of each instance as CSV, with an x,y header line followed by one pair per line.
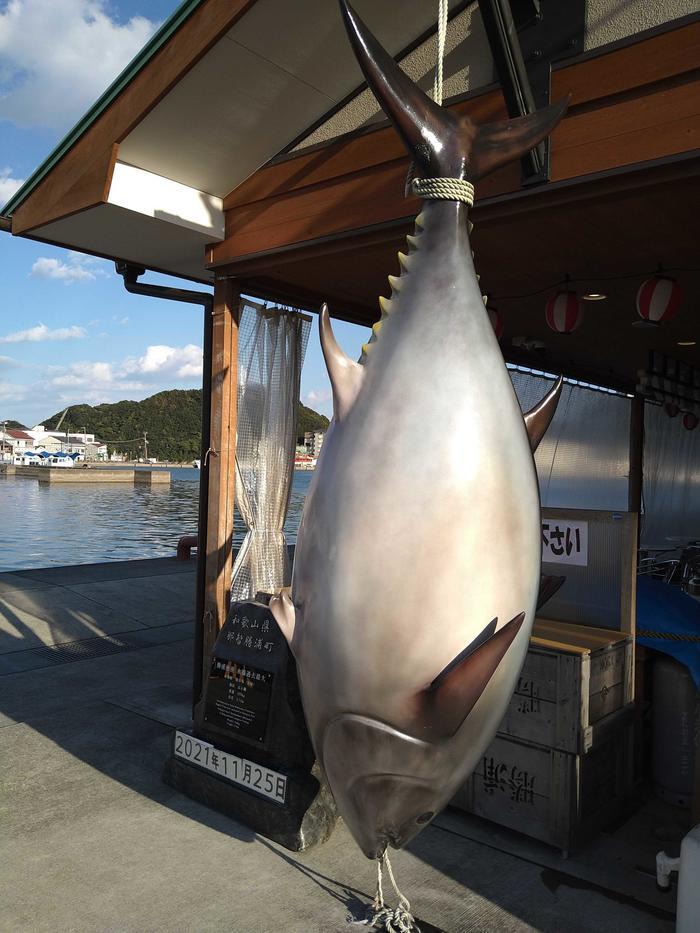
x,y
538,419
345,374
282,609
548,587
446,703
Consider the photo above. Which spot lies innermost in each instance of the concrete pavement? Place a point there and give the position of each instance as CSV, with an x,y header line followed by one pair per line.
x,y
91,840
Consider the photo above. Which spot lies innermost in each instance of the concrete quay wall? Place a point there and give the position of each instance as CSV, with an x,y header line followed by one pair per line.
x,y
79,475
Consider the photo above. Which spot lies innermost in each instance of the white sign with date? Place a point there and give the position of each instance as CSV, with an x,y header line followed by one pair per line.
x,y
564,542
262,780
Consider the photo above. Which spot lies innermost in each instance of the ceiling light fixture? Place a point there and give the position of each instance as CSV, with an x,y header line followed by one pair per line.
x,y
687,343
594,296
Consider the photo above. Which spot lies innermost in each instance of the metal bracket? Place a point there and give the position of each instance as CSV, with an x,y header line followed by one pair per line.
x,y
526,37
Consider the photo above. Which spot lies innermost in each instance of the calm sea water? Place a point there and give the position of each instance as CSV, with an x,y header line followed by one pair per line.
x,y
44,526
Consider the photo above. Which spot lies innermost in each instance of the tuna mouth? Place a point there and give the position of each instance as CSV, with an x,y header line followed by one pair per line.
x,y
385,782
389,809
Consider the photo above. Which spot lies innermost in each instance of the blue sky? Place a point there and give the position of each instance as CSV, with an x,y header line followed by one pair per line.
x,y
69,333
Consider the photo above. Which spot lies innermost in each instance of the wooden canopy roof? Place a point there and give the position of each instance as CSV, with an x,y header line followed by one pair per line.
x,y
223,87
165,172
325,224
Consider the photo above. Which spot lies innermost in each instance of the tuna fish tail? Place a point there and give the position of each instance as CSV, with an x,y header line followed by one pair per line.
x,y
440,142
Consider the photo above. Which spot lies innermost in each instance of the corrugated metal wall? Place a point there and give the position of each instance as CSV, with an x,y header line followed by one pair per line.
x,y
583,459
671,480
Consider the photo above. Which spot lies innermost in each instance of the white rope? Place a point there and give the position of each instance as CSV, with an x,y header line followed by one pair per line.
x,y
397,919
441,35
443,189
439,189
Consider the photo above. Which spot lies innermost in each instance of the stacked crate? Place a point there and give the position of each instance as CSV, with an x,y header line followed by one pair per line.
x,y
560,766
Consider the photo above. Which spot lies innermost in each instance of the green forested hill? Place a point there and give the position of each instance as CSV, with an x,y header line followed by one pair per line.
x,y
172,421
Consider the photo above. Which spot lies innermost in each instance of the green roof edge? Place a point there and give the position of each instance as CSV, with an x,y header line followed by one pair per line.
x,y
157,40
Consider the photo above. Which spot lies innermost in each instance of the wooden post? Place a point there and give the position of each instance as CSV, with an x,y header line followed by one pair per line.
x,y
221,460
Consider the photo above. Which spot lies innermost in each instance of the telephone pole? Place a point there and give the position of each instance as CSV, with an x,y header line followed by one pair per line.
x,y
145,445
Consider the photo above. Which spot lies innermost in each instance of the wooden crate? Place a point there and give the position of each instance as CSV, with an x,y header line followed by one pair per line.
x,y
554,796
574,682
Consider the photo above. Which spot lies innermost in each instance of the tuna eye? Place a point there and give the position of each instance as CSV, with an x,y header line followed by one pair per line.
x,y
424,818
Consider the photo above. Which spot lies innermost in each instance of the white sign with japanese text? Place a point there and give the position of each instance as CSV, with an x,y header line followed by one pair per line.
x,y
262,780
564,542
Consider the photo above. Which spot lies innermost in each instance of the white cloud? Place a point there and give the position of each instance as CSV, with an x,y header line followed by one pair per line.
x,y
11,392
41,332
7,362
181,362
318,397
79,268
8,184
95,382
85,374
133,374
57,57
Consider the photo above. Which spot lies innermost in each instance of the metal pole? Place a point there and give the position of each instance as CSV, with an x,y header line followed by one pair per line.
x,y
636,474
130,275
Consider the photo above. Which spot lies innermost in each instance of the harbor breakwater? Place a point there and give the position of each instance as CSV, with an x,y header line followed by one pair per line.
x,y
78,475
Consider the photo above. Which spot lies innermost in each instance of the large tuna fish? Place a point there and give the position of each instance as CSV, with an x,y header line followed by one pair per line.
x,y
418,559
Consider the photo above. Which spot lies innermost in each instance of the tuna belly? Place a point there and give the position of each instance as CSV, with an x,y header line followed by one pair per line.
x,y
411,559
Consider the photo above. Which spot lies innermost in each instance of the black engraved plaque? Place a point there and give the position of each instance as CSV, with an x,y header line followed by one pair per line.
x,y
238,698
259,764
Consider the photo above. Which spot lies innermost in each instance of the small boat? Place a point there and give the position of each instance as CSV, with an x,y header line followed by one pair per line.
x,y
197,464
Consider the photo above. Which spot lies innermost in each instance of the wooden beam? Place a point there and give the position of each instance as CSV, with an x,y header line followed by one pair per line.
x,y
221,461
604,73
628,108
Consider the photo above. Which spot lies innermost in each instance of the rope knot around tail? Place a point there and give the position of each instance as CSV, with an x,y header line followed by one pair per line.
x,y
397,919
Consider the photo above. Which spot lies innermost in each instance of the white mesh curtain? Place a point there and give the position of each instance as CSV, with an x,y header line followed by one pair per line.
x,y
583,459
271,347
671,480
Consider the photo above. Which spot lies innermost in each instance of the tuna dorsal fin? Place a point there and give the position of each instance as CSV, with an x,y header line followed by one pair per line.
x,y
284,614
498,143
445,704
549,584
345,374
538,419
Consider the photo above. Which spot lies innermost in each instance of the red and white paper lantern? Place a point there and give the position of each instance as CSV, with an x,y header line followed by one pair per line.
x,y
564,312
690,421
658,299
496,319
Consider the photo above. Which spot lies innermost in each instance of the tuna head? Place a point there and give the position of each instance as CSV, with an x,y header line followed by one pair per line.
x,y
388,781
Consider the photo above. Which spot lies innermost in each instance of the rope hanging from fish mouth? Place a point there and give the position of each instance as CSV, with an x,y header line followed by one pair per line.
x,y
439,189
397,919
